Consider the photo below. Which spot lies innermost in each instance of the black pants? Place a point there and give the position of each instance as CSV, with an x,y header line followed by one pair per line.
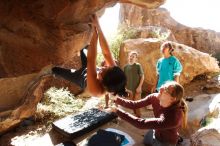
x,y
79,76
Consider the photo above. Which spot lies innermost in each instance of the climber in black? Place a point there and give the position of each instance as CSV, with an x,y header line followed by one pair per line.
x,y
109,78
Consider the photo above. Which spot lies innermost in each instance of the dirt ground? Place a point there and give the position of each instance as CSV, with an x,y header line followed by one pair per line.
x,y
31,130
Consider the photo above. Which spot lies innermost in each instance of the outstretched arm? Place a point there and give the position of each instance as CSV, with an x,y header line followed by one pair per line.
x,y
93,84
104,44
135,104
168,120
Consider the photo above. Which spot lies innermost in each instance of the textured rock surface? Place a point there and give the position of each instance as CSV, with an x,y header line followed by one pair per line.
x,y
160,33
204,111
194,62
34,34
200,108
13,89
204,40
23,94
145,3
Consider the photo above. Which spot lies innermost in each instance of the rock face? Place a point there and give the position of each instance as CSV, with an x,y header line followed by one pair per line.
x,y
14,89
204,40
200,109
194,62
20,96
34,34
204,117
160,33
207,136
145,3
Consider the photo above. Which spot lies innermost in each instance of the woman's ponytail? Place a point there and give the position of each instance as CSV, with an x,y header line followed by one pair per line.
x,y
185,113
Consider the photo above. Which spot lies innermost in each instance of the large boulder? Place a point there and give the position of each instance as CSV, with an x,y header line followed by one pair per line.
x,y
160,33
204,118
202,110
34,34
13,89
207,41
20,96
194,62
207,136
150,4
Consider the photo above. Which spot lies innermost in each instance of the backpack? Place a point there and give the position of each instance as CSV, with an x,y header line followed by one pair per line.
x,y
106,138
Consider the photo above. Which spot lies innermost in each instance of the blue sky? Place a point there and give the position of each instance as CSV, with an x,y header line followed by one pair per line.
x,y
192,13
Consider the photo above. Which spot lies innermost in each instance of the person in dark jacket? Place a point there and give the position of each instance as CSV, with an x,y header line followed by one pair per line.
x,y
170,111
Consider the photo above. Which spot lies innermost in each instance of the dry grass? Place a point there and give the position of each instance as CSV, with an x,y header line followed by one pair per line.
x,y
57,103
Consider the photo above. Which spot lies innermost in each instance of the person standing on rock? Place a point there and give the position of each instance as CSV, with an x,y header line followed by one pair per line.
x,y
168,67
110,79
135,78
170,114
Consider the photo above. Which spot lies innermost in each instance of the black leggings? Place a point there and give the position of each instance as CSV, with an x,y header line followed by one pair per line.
x,y
79,76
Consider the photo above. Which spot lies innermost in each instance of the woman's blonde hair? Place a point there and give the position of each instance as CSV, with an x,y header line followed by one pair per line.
x,y
177,91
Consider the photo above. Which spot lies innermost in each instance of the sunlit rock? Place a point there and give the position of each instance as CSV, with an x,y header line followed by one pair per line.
x,y
207,41
194,62
145,3
204,116
160,33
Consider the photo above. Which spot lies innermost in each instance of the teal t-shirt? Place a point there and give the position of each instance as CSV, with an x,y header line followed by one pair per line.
x,y
167,69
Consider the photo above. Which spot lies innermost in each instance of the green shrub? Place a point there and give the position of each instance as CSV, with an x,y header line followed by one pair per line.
x,y
156,33
217,56
123,34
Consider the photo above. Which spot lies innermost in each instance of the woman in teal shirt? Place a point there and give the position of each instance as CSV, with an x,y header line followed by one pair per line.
x,y
168,67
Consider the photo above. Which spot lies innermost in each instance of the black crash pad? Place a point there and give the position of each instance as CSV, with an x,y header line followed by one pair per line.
x,y
77,125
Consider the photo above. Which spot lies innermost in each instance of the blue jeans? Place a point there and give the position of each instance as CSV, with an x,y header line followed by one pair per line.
x,y
150,140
